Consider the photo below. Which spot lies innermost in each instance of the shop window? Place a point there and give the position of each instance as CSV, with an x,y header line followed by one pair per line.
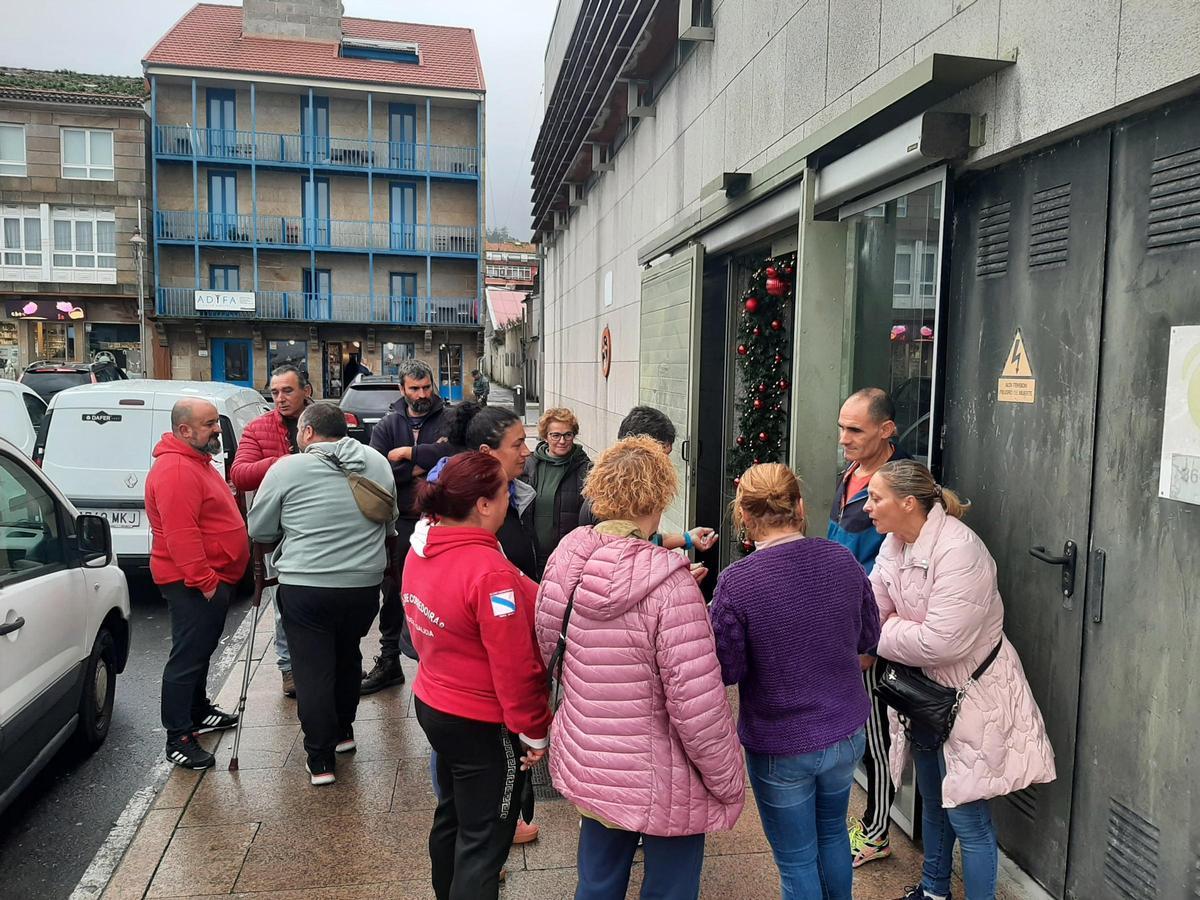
x,y
12,150
121,342
9,350
287,353
84,238
224,278
393,353
894,286
88,154
21,237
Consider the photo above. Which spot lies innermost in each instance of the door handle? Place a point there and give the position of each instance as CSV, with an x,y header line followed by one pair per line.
x,y
10,627
1067,561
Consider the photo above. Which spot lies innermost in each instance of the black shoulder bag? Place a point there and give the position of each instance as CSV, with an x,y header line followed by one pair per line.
x,y
918,698
554,670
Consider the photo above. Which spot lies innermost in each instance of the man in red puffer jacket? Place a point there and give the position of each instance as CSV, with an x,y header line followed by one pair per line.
x,y
199,552
268,439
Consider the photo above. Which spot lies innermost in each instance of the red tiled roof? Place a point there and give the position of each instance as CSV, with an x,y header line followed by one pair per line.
x,y
506,247
210,37
505,307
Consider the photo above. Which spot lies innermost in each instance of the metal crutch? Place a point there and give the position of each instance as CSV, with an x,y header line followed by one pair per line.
x,y
261,583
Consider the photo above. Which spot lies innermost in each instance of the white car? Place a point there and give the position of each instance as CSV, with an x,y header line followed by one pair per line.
x,y
64,624
21,413
98,439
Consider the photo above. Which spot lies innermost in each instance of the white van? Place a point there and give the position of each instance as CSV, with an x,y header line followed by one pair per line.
x,y
97,439
21,412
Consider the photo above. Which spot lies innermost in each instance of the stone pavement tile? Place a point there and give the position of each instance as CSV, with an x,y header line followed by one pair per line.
x,y
303,852
546,884
176,793
261,795
390,703
338,892
747,876
261,747
394,737
414,787
141,859
202,860
558,837
745,837
265,702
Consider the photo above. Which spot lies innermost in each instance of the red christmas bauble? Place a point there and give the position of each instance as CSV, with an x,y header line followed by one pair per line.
x,y
787,270
742,351
762,388
741,441
778,408
757,331
757,461
772,272
758,404
783,384
775,286
751,304
778,360
763,437
776,325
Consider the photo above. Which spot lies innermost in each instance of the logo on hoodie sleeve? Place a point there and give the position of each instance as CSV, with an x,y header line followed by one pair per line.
x,y
504,603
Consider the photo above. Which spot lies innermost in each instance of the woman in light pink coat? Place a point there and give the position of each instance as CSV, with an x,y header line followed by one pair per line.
x,y
644,742
941,611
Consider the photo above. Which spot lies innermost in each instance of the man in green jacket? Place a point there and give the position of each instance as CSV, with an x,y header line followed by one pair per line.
x,y
331,559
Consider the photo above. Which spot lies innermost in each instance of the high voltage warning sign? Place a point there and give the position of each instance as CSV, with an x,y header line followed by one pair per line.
x,y
1017,383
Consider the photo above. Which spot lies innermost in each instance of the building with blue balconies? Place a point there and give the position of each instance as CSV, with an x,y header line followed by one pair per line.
x,y
317,194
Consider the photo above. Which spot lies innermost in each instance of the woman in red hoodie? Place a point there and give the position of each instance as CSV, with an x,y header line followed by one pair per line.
x,y
480,690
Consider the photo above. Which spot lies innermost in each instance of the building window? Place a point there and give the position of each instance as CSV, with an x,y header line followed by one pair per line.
x,y
21,236
393,353
12,150
517,273
223,278
87,154
84,238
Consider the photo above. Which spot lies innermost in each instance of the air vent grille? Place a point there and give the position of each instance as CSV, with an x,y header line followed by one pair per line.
x,y
992,257
1049,226
1174,216
1131,854
1026,801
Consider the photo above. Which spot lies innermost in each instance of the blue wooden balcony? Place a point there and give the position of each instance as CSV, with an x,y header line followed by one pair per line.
x,y
302,306
301,233
296,151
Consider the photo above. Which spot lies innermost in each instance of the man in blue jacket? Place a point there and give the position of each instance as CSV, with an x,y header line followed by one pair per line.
x,y
409,437
866,433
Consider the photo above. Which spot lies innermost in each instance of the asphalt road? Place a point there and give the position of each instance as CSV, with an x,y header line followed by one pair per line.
x,y
49,836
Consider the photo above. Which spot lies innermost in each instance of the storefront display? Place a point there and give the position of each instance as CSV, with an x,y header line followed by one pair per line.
x,y
10,350
287,353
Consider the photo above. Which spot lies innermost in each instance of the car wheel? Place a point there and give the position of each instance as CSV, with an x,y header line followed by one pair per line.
x,y
99,689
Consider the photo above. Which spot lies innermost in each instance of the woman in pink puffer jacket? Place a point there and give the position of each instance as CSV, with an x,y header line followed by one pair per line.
x,y
644,742
940,610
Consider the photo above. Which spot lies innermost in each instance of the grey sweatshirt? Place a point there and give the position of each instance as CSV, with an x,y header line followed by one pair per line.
x,y
306,501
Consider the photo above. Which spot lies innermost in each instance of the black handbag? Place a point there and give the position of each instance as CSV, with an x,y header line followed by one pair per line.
x,y
919,699
554,670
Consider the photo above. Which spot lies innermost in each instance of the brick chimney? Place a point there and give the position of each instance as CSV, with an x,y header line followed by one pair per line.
x,y
313,20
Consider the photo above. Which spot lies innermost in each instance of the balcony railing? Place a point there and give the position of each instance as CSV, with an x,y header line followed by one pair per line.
x,y
303,306
271,148
303,233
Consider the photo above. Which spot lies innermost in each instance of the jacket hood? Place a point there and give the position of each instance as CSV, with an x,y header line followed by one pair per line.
x,y
169,443
522,495
609,575
430,541
577,456
349,452
401,406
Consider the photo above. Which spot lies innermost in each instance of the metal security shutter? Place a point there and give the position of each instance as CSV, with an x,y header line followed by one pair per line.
x,y
668,380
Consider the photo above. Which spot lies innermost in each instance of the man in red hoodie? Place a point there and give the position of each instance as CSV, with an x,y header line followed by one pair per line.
x,y
199,552
266,440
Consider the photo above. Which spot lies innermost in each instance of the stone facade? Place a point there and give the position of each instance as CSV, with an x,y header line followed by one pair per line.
x,y
313,20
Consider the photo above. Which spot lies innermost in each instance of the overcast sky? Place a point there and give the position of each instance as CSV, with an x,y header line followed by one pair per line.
x,y
110,37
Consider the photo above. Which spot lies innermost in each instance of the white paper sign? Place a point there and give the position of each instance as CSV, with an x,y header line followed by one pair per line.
x,y
224,301
1179,476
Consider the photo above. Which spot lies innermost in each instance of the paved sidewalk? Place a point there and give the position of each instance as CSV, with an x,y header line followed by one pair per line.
x,y
264,832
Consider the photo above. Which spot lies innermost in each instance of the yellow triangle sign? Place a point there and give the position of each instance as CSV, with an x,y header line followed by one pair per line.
x,y
1017,364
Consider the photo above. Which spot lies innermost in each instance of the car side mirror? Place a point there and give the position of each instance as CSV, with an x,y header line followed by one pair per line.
x,y
94,540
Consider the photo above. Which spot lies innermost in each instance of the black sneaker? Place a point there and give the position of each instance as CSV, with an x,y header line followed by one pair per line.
x,y
346,743
917,893
213,720
186,753
387,672
320,771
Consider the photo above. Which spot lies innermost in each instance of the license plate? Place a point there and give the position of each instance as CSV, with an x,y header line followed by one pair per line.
x,y
118,518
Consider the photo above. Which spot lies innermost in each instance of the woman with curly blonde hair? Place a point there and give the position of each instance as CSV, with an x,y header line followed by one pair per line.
x,y
643,742
556,470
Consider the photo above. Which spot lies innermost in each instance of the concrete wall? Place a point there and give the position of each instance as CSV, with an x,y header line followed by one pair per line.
x,y
314,20
777,72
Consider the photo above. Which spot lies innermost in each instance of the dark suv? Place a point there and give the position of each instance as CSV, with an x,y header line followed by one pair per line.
x,y
48,377
366,401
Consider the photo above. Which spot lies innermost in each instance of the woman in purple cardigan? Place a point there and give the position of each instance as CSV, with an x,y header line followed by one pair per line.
x,y
791,621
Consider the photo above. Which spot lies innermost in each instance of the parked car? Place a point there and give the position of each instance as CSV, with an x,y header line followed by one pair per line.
x,y
64,624
96,444
368,399
48,377
21,412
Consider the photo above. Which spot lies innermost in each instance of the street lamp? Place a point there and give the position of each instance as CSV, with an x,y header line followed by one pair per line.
x,y
138,243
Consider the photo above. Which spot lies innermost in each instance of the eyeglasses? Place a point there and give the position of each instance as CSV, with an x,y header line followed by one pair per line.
x,y
560,436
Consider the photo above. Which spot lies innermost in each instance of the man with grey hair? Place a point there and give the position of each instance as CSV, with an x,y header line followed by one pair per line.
x,y
409,436
198,553
331,559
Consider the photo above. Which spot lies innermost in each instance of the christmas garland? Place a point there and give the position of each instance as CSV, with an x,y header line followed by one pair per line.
x,y
762,366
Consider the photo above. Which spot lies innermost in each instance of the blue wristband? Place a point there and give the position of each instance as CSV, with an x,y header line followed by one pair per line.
x,y
688,544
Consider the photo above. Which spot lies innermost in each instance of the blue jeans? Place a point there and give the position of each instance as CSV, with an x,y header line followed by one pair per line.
x,y
802,801
281,645
971,823
671,870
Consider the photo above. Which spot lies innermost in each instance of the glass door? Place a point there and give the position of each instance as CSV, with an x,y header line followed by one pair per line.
x,y
402,136
233,361
314,129
222,206
222,121
450,374
333,365
315,206
402,291
318,294
403,215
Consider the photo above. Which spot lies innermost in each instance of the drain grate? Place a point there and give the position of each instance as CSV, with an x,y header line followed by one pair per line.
x,y
1049,227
